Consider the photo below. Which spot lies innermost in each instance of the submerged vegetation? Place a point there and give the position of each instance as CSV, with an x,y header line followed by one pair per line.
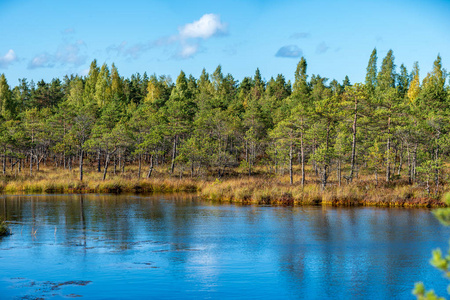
x,y
381,142
4,228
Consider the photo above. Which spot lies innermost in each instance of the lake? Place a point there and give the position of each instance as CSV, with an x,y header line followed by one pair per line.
x,y
179,247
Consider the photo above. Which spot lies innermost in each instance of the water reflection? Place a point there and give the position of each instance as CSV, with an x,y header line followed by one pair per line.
x,y
180,247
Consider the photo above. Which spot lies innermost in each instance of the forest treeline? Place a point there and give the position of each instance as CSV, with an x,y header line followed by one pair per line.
x,y
394,124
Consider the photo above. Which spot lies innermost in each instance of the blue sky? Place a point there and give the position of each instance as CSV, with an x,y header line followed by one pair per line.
x,y
49,38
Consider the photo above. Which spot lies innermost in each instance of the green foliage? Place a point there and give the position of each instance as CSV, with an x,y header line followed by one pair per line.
x,y
421,294
213,123
438,260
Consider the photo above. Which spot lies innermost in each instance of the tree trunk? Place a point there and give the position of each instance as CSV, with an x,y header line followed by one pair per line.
x,y
409,165
436,163
140,165
314,161
98,161
353,159
81,165
13,164
339,173
303,158
324,177
4,163
388,153
31,164
246,151
326,163
276,160
150,170
400,164
106,166
174,153
290,164
115,164
415,162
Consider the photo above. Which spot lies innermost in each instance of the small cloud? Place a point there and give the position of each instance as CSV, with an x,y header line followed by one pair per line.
x,y
207,26
118,48
43,60
70,54
300,35
322,48
7,59
379,39
188,50
66,54
134,51
290,51
69,31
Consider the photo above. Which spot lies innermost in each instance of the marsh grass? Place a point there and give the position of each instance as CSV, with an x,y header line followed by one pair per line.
x,y
64,181
278,192
238,188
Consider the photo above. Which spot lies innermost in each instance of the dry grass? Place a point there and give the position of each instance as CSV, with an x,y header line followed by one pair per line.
x,y
260,190
239,188
64,181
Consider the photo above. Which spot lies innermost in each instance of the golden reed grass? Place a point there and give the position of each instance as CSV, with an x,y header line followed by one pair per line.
x,y
258,189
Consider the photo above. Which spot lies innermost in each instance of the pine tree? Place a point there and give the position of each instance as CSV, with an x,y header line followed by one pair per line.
x,y
371,75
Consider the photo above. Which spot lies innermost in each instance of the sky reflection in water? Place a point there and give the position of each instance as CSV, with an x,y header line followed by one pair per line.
x,y
107,246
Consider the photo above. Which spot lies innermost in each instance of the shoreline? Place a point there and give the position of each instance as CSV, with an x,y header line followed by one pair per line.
x,y
247,191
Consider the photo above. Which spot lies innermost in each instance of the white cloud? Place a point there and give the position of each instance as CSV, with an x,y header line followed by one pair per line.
x,y
188,39
66,54
43,60
207,26
7,59
188,50
70,54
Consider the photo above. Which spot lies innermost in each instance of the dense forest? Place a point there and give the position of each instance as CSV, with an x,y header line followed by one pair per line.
x,y
394,125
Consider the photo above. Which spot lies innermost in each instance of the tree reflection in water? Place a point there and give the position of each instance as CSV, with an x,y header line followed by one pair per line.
x,y
154,246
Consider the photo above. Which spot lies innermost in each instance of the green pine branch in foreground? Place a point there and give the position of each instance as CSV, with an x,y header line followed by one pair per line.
x,y
438,261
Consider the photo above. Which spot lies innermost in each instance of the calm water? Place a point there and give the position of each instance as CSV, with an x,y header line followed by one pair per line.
x,y
117,247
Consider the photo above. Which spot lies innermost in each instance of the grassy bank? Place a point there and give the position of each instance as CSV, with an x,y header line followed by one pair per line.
x,y
239,188
272,191
114,185
50,181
